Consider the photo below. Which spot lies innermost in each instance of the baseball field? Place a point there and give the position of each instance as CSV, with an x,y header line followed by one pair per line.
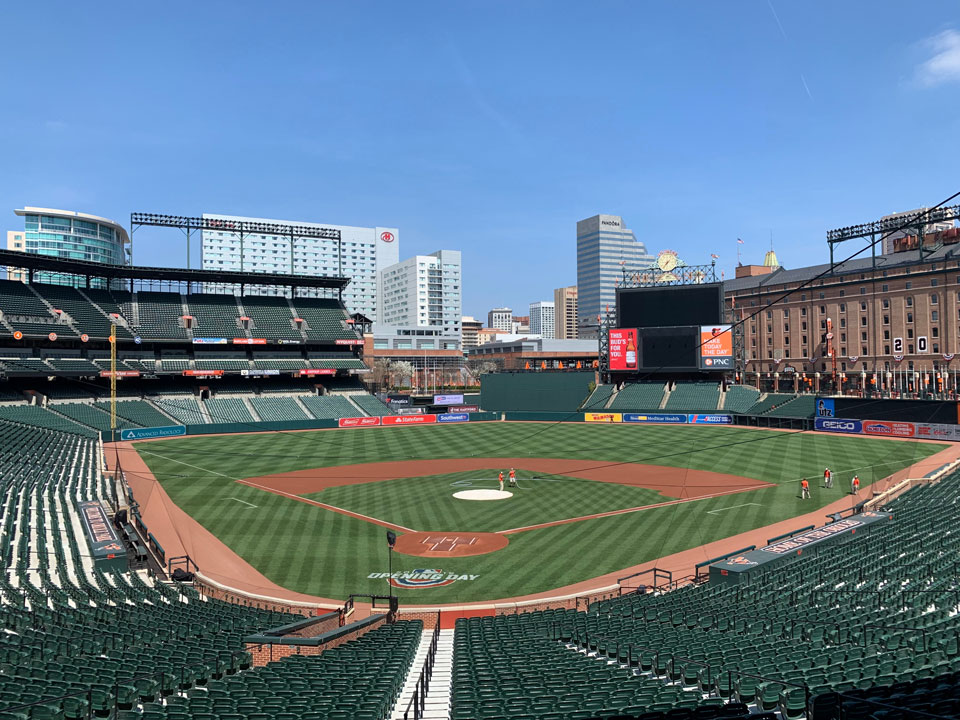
x,y
310,510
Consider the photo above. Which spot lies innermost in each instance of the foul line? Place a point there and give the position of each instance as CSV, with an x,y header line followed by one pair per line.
x,y
244,502
611,513
732,507
334,508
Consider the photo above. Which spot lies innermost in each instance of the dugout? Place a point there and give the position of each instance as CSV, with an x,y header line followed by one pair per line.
x,y
544,392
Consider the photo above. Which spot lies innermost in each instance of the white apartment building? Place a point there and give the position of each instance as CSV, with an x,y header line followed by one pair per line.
x,y
500,319
423,291
360,255
543,319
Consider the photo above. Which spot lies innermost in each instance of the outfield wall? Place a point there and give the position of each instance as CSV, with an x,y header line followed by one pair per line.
x,y
916,411
526,391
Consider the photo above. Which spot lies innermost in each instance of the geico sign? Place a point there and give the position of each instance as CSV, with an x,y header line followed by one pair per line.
x,y
837,425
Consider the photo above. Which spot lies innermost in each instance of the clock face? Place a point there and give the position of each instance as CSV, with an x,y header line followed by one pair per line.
x,y
667,262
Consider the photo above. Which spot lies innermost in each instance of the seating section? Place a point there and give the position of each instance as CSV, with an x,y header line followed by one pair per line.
x,y
214,316
220,364
325,318
185,410
18,300
87,317
41,417
278,408
25,366
801,406
639,396
740,398
328,407
91,415
598,398
138,412
371,404
280,364
771,401
112,302
227,409
159,316
271,317
693,397
74,365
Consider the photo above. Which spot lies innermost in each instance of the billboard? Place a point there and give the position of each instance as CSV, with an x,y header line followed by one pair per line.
x,y
839,425
463,408
710,419
623,349
249,341
153,432
448,399
889,428
670,306
826,407
668,418
358,422
603,417
209,341
716,347
407,419
453,417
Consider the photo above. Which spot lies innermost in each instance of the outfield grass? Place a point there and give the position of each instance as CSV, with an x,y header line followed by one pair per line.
x,y
312,550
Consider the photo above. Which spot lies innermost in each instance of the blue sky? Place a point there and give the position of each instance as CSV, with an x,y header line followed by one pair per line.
x,y
487,127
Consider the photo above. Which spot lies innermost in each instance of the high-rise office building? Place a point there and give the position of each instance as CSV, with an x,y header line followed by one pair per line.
x,y
606,252
360,254
423,291
565,312
70,235
500,319
542,319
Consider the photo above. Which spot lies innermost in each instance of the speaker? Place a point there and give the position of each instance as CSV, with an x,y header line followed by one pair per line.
x,y
120,518
182,576
394,603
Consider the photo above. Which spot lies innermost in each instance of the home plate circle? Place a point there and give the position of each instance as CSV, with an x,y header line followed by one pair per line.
x,y
482,495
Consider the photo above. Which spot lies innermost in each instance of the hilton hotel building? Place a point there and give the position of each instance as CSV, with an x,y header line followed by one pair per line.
x,y
900,313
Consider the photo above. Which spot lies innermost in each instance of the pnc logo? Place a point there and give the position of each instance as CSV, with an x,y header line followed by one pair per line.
x,y
387,236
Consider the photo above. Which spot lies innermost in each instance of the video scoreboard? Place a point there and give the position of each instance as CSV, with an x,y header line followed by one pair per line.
x,y
670,329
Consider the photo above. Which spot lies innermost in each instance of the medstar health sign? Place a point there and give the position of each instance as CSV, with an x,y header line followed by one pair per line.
x,y
421,578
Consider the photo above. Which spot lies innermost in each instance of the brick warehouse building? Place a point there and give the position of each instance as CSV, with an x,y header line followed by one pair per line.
x,y
890,317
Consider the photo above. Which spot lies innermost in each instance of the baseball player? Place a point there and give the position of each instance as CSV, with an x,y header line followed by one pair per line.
x,y
855,485
827,478
805,489
513,477
500,480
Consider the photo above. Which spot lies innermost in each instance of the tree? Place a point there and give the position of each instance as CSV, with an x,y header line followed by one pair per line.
x,y
402,370
382,373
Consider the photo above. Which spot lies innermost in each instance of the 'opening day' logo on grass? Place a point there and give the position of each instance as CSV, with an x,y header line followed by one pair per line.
x,y
422,578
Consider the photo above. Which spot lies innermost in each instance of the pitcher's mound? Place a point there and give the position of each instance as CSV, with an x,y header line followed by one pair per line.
x,y
482,495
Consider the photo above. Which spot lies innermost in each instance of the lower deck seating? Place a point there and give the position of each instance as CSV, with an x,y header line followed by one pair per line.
x,y
639,396
278,408
598,398
371,404
329,407
740,398
693,397
228,409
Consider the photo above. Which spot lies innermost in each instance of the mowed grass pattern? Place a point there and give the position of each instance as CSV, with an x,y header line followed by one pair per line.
x,y
312,550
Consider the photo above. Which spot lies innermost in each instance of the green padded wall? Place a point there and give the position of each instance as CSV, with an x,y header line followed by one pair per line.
x,y
538,392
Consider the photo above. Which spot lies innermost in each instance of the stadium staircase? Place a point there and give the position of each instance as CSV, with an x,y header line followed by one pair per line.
x,y
437,706
666,397
250,408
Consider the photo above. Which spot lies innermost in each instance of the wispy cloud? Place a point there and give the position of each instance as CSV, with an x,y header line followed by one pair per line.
x,y
943,65
506,125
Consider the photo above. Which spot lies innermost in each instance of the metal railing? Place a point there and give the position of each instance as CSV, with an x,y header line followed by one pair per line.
x,y
419,700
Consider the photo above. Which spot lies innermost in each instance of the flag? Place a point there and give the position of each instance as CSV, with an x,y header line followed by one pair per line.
x,y
739,241
715,257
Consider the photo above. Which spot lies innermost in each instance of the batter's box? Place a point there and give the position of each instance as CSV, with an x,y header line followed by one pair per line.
x,y
450,544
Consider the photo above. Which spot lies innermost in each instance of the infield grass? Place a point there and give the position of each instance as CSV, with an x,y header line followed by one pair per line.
x,y
321,552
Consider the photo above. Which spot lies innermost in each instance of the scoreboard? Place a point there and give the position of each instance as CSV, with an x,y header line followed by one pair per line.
x,y
670,329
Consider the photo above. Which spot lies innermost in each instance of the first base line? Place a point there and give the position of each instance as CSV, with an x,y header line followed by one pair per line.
x,y
732,507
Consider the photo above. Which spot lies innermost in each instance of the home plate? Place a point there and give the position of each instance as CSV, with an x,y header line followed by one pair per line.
x,y
482,495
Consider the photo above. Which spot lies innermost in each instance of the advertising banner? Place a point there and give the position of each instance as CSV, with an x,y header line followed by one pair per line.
x,y
448,399
603,417
825,407
889,428
209,341
395,400
410,410
203,373
282,341
358,422
710,419
453,417
623,349
937,431
153,432
120,373
838,425
716,347
464,408
309,372
348,342
668,418
408,419
258,373
249,341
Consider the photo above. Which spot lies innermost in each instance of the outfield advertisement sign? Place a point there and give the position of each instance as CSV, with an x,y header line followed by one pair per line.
x,y
603,417
209,341
408,419
716,347
154,432
463,408
453,417
935,431
358,422
666,418
448,399
710,419
889,428
838,425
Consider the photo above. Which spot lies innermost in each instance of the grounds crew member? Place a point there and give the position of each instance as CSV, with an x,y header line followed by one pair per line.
x,y
513,477
827,478
805,489
500,480
855,485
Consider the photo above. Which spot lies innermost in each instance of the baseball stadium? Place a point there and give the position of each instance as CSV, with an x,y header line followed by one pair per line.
x,y
208,514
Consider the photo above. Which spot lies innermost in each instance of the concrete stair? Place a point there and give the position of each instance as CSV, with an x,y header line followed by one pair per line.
x,y
438,692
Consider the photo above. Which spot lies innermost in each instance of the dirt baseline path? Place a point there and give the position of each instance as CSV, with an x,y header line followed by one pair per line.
x,y
671,482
